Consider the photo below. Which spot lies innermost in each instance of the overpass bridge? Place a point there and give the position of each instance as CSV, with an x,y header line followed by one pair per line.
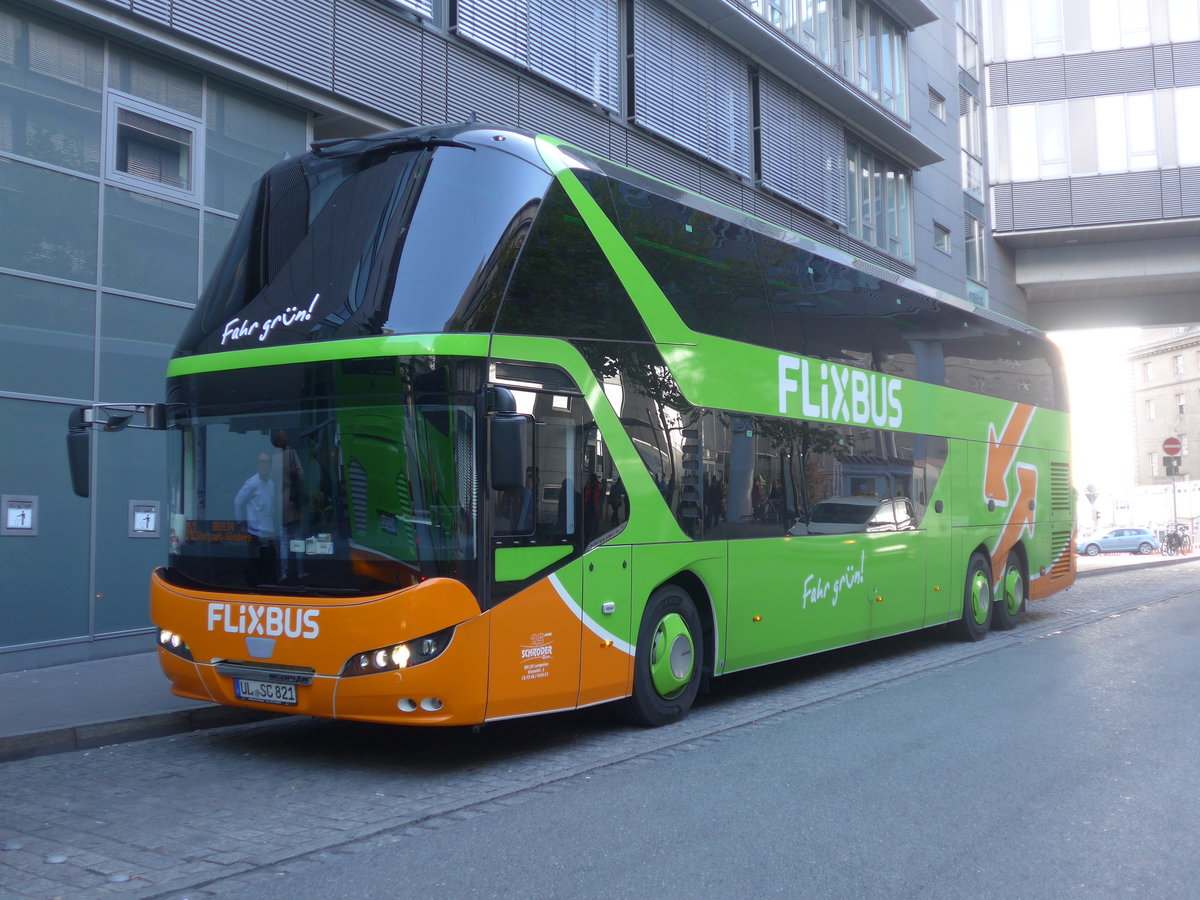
x,y
1146,274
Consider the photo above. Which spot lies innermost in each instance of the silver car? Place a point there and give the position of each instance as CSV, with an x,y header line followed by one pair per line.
x,y
1119,540
843,515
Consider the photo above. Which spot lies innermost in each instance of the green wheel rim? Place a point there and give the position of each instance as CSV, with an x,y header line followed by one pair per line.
x,y
980,599
672,656
1014,590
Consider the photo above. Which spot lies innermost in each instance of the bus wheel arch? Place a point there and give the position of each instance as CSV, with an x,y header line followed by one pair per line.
x,y
698,590
977,610
1012,591
669,659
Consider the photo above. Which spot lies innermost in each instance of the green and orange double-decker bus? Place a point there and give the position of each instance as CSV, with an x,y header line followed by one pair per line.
x,y
470,424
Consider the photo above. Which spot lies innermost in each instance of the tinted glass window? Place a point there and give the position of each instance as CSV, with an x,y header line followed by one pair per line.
x,y
473,210
348,476
905,332
815,305
573,494
658,418
563,284
751,475
835,327
985,357
605,501
546,510
791,287
318,234
706,266
353,244
765,476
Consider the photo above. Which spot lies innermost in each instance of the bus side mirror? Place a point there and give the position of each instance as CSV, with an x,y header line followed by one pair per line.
x,y
509,439
79,451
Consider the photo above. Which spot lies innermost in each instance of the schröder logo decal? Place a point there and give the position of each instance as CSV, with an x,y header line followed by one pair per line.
x,y
538,648
839,393
268,621
537,656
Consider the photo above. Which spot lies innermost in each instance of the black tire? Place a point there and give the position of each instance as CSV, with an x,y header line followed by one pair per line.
x,y
1092,550
977,601
1144,548
668,661
1012,594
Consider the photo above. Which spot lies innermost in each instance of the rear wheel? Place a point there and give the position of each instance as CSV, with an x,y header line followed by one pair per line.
x,y
1144,548
666,673
1014,588
977,601
1092,550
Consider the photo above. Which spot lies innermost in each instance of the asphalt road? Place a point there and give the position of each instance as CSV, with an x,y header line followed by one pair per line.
x,y
1056,760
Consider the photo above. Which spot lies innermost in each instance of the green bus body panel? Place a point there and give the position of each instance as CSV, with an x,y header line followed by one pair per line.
x,y
519,563
707,561
356,348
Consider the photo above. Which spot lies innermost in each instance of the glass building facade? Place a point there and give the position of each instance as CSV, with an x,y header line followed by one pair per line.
x,y
121,175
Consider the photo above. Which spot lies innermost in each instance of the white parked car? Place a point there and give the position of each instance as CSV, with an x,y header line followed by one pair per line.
x,y
843,515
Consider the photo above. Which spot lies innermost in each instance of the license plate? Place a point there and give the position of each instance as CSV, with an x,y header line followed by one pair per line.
x,y
265,692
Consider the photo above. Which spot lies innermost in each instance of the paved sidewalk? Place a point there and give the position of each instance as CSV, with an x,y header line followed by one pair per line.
x,y
98,702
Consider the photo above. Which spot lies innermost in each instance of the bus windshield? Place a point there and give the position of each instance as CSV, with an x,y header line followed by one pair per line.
x,y
360,478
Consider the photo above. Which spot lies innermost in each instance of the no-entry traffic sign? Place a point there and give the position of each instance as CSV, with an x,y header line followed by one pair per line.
x,y
1172,446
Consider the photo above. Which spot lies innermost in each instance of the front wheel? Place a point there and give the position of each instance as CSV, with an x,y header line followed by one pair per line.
x,y
977,601
1014,588
667,663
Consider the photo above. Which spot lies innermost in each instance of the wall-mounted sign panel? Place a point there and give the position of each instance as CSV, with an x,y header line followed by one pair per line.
x,y
20,514
143,518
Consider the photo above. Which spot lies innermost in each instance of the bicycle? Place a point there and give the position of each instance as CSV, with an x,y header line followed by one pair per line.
x,y
1176,541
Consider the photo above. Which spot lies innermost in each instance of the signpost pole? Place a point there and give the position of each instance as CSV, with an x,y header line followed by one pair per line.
x,y
1172,447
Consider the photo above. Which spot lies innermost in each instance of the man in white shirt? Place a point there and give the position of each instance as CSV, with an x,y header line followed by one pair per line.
x,y
255,505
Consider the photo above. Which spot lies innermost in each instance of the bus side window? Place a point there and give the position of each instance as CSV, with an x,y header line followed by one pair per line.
x,y
545,509
605,499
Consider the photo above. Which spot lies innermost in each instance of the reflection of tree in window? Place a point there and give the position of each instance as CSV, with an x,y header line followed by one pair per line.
x,y
651,406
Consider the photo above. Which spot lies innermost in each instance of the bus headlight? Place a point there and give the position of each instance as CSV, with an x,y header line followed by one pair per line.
x,y
173,643
399,656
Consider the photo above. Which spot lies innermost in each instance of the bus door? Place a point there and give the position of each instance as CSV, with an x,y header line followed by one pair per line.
x,y
537,582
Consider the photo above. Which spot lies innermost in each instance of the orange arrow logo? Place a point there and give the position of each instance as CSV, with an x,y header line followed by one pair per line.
x,y
1001,452
1020,519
